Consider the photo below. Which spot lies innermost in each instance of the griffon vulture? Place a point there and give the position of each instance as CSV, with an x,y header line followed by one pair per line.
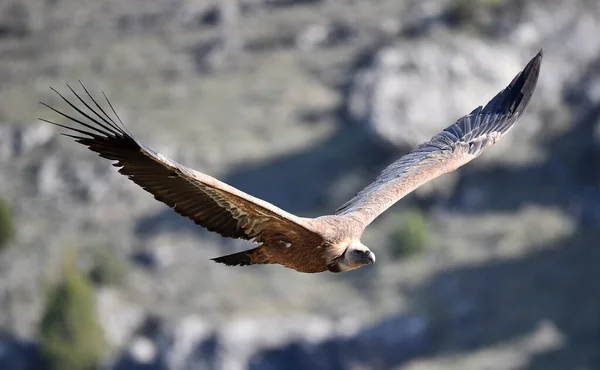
x,y
326,243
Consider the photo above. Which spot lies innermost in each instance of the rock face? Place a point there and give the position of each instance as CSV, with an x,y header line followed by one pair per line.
x,y
414,87
118,317
22,140
275,343
14,19
303,102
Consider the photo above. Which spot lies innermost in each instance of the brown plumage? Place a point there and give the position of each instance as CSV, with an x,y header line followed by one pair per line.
x,y
307,245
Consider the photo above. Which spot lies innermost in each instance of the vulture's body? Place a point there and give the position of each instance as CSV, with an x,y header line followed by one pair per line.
x,y
307,245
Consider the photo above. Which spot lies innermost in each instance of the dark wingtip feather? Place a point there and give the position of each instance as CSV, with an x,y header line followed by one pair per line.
x,y
235,259
96,122
528,80
515,98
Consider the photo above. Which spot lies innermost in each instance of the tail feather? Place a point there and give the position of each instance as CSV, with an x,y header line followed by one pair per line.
x,y
238,259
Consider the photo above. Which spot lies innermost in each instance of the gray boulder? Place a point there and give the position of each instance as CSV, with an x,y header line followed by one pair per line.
x,y
415,88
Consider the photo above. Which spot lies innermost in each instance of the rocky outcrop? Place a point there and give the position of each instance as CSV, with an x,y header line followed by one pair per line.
x,y
20,140
303,342
415,87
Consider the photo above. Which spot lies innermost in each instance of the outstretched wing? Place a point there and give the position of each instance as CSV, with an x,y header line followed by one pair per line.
x,y
205,200
455,146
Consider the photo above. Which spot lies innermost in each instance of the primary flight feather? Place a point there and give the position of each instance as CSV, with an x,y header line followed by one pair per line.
x,y
326,243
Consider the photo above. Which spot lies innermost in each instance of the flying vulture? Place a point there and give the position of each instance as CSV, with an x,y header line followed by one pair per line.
x,y
326,243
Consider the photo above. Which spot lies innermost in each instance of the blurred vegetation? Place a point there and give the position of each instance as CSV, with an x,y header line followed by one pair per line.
x,y
71,336
412,236
7,229
463,12
108,268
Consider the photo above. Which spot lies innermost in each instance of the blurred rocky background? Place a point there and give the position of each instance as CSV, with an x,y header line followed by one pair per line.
x,y
302,103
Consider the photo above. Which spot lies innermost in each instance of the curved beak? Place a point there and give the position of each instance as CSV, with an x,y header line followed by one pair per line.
x,y
370,256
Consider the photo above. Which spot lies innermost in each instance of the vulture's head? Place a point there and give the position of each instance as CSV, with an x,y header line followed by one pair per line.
x,y
355,256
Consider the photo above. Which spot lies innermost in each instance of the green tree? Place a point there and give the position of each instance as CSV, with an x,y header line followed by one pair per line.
x,y
7,229
71,336
412,236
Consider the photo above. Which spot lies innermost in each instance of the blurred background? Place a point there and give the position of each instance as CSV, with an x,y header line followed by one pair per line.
x,y
302,103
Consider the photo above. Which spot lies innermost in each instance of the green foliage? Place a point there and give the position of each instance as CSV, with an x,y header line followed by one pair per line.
x,y
412,236
71,336
108,267
7,229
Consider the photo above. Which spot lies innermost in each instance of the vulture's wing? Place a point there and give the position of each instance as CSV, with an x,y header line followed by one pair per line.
x,y
205,200
450,149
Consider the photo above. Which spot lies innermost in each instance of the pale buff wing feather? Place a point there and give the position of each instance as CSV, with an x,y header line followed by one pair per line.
x,y
455,146
205,200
